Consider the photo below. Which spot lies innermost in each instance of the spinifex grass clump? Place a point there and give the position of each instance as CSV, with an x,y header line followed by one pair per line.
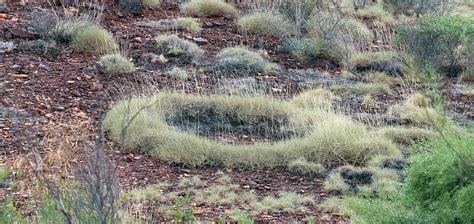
x,y
323,136
173,47
236,61
209,8
92,38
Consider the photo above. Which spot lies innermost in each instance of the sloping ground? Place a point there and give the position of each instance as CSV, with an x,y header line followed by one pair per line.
x,y
38,94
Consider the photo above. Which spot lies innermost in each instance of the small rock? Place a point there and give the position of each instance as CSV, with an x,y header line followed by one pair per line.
x,y
138,39
4,9
200,40
20,33
229,17
3,16
6,47
134,7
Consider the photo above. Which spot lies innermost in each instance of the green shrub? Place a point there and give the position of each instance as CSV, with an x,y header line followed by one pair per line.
x,y
373,89
188,24
92,38
441,42
326,138
301,166
241,61
173,47
208,8
413,7
266,24
116,64
438,188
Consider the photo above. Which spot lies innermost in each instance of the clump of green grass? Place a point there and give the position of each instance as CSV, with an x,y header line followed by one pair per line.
x,y
152,3
301,166
383,61
241,61
377,13
266,24
208,8
327,138
92,38
173,47
309,50
189,24
316,98
116,64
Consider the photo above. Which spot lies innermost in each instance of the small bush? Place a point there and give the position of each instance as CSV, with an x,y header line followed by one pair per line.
x,y
92,38
189,24
116,64
208,8
266,24
383,61
173,47
301,166
241,61
152,3
377,13
442,42
414,7
438,187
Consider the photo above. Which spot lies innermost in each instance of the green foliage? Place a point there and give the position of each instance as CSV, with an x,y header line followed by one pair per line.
x,y
441,42
406,136
240,61
373,89
4,173
438,189
116,64
208,8
287,201
92,38
188,24
173,47
299,12
183,210
266,24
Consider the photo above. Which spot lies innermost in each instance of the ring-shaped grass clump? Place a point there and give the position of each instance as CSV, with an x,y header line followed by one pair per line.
x,y
322,136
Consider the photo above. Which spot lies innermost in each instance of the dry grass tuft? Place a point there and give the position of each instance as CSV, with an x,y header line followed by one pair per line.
x,y
189,24
116,64
173,47
208,8
266,24
92,38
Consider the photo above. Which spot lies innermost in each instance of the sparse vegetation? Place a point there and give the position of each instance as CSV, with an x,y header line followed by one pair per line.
x,y
373,89
116,64
417,109
208,8
173,47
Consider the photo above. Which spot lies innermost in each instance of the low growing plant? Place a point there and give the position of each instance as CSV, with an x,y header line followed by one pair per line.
x,y
236,61
208,8
173,47
116,64
92,38
266,24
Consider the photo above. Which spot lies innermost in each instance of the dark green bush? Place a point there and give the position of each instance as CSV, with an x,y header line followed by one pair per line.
x,y
439,187
441,42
